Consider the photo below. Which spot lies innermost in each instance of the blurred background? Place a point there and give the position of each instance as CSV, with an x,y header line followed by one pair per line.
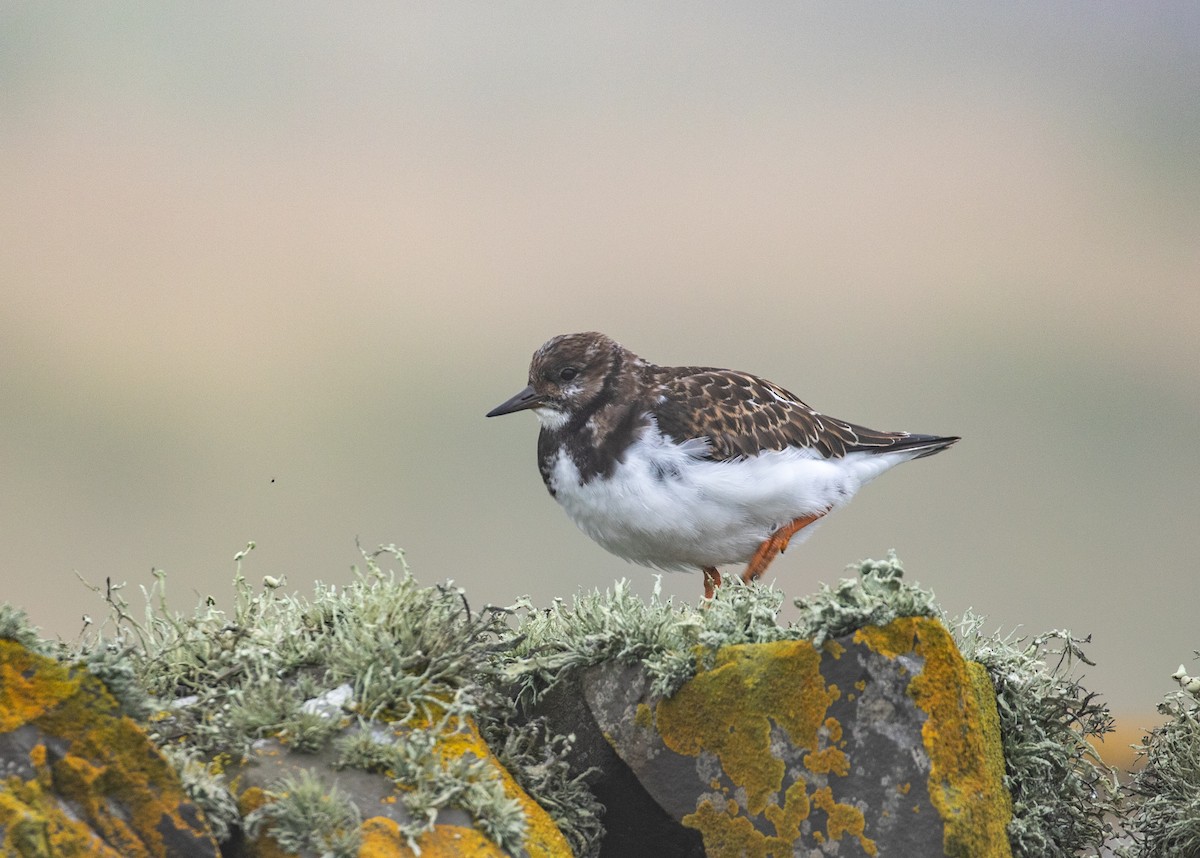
x,y
263,268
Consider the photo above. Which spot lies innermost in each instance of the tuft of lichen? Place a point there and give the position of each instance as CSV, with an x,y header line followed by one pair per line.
x,y
538,761
302,813
876,595
204,787
617,625
15,626
1064,796
1163,818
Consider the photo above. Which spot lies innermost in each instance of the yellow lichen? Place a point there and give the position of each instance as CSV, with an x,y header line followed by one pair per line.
x,y
30,685
960,737
842,819
729,835
34,822
728,710
725,833
643,716
382,839
795,810
107,770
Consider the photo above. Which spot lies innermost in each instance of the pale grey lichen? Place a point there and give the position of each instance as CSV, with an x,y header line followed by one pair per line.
x,y
304,813
207,790
1064,796
876,595
15,626
538,760
1163,817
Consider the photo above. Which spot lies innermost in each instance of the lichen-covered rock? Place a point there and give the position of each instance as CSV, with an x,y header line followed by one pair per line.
x,y
80,779
880,743
383,798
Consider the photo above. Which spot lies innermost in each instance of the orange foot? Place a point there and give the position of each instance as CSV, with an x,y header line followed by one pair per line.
x,y
775,545
712,580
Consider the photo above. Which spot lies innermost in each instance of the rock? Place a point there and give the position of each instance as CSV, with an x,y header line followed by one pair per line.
x,y
78,777
884,742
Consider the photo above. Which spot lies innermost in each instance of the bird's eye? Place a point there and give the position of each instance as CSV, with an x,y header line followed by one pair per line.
x,y
567,373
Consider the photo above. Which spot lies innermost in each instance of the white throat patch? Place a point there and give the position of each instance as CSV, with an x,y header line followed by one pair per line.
x,y
551,418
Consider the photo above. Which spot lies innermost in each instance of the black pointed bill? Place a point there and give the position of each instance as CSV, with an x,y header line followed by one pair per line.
x,y
526,399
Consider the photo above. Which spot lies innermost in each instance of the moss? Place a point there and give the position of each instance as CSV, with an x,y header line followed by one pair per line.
x,y
958,734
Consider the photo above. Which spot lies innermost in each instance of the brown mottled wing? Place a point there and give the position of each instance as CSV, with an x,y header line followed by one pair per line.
x,y
742,415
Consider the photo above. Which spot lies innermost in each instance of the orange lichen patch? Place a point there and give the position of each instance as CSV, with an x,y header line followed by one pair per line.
x,y
961,736
382,839
728,710
833,648
843,819
795,810
726,834
103,767
37,756
826,761
30,684
829,759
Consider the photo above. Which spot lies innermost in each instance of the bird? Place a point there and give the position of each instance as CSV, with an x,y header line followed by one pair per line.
x,y
692,467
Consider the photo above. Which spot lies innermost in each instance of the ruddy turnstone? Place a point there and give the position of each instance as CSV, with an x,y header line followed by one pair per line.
x,y
692,467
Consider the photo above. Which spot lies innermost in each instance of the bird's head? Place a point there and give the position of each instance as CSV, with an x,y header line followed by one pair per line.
x,y
567,375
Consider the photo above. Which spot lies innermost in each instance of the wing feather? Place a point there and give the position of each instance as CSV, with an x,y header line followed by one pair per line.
x,y
742,415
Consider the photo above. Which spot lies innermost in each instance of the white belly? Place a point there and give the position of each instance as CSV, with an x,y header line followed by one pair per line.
x,y
665,507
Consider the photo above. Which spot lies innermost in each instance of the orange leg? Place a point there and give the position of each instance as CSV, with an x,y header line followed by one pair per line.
x,y
712,580
775,545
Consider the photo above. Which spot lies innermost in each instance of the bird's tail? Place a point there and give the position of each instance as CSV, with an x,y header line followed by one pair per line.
x,y
922,445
